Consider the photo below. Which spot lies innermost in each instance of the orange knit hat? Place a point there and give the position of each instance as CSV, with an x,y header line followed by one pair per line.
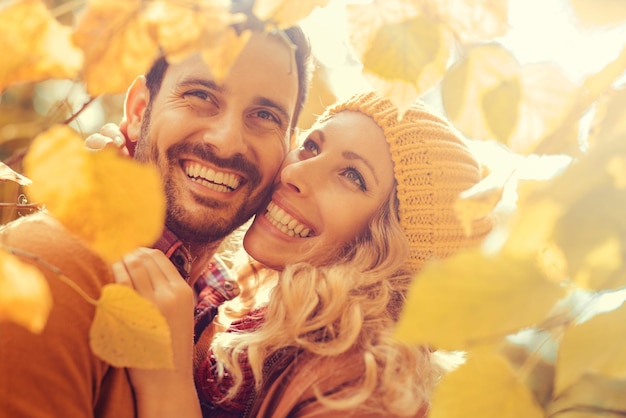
x,y
432,166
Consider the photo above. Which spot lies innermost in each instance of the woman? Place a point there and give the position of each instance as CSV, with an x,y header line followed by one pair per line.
x,y
358,209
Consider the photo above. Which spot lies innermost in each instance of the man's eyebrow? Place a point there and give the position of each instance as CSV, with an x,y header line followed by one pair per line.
x,y
210,84
259,101
264,101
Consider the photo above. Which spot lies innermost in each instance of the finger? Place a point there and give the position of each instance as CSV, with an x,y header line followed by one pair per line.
x,y
112,131
121,275
165,265
138,273
97,142
160,267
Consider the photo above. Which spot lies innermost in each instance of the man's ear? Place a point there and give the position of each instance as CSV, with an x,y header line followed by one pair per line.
x,y
137,99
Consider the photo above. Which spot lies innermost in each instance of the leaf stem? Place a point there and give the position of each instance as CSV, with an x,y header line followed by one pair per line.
x,y
53,269
64,8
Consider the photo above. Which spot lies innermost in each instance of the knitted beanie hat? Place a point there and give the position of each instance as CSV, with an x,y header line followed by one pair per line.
x,y
432,166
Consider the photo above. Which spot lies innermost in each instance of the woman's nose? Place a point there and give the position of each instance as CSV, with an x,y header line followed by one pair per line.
x,y
296,176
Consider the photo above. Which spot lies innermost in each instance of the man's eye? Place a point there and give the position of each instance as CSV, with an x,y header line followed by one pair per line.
x,y
264,114
199,94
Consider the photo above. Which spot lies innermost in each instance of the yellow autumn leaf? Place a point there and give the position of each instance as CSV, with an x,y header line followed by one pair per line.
x,y
129,331
117,43
609,122
7,173
182,28
112,202
471,299
481,93
599,396
477,202
548,97
616,168
34,45
484,386
593,347
472,21
24,293
404,52
599,12
533,223
222,56
285,13
594,248
494,103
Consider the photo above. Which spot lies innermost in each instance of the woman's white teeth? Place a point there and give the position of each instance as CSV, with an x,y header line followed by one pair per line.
x,y
285,222
223,182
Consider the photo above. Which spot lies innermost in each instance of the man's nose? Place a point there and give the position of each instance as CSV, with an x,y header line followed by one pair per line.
x,y
225,133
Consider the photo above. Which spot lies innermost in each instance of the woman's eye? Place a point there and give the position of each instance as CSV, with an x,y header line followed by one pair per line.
x,y
354,176
311,147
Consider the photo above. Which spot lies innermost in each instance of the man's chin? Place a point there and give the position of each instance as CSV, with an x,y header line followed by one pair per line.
x,y
204,230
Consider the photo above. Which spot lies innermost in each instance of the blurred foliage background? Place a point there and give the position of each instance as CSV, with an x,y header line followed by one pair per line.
x,y
538,89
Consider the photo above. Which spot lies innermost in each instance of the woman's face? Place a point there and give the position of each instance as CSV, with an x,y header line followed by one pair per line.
x,y
327,192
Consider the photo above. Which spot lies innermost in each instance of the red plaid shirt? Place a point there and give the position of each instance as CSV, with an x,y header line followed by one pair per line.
x,y
214,286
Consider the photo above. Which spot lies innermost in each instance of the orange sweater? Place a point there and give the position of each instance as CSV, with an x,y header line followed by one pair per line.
x,y
55,374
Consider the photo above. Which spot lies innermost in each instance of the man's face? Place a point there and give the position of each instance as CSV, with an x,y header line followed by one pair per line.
x,y
219,145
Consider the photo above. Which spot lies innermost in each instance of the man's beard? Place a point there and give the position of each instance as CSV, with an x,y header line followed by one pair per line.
x,y
217,220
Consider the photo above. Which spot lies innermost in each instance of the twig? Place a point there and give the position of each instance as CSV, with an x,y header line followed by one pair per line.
x,y
53,269
67,7
75,115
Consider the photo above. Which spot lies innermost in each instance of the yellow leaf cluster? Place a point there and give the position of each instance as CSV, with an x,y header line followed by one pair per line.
x,y
472,300
517,105
476,203
34,45
129,331
112,202
489,76
117,44
404,52
485,386
24,294
472,21
128,35
600,12
593,347
285,13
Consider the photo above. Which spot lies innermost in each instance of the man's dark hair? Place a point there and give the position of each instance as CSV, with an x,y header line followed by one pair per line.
x,y
294,34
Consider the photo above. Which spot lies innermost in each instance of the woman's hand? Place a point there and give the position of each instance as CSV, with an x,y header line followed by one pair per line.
x,y
163,393
110,135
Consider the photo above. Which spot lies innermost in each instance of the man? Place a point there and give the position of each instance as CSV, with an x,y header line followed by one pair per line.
x,y
218,148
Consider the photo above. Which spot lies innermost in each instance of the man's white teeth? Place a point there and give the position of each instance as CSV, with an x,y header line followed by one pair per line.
x,y
285,222
223,182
